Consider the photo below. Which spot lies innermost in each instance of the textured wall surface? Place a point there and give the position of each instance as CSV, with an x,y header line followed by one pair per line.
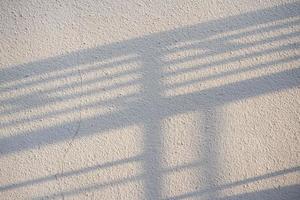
x,y
149,99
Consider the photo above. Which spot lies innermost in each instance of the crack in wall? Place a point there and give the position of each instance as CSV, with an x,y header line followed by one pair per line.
x,y
76,132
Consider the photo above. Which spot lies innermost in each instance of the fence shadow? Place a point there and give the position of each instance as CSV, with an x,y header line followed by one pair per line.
x,y
142,82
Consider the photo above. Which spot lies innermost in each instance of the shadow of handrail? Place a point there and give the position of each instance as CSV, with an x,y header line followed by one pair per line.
x,y
230,93
237,183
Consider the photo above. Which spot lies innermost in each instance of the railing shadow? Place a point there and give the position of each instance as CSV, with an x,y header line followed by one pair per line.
x,y
152,71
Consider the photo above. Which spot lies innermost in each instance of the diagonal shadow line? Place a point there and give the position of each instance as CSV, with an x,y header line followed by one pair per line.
x,y
249,68
121,181
87,69
76,85
287,192
70,173
115,86
223,94
177,73
85,170
222,39
237,183
171,170
73,97
244,89
218,63
233,59
213,27
223,47
252,13
234,36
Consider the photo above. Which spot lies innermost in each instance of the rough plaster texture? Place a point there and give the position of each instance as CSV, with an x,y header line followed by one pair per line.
x,y
149,99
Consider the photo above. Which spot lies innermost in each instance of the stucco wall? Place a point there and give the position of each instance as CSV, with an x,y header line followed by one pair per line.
x,y
149,99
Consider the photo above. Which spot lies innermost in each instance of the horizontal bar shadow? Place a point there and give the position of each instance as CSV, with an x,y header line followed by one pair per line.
x,y
209,97
237,183
70,173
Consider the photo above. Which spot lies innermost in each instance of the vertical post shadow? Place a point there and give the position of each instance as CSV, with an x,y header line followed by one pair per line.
x,y
150,112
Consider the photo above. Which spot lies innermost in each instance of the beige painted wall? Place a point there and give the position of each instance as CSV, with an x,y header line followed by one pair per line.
x,y
149,99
